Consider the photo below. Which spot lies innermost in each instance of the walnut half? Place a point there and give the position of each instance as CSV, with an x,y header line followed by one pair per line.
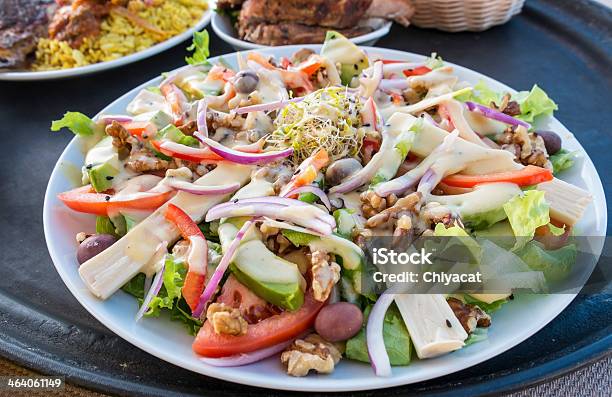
x,y
310,353
325,274
226,320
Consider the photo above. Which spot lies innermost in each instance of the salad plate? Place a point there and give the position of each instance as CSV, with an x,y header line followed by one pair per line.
x,y
514,322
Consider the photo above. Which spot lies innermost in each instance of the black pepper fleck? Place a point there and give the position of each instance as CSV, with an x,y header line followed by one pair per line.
x,y
107,198
448,323
109,178
89,166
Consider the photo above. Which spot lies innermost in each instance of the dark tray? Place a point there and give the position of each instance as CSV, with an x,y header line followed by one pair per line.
x,y
565,46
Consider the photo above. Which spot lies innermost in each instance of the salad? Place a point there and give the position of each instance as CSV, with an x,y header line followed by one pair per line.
x,y
239,200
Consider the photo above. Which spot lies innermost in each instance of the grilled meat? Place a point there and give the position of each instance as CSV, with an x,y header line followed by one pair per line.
x,y
339,14
73,23
22,22
292,33
398,10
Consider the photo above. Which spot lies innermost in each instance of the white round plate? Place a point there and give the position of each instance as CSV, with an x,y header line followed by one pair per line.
x,y
98,67
222,25
514,323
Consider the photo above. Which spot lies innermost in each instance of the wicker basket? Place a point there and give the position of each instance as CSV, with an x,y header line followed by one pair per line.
x,y
460,15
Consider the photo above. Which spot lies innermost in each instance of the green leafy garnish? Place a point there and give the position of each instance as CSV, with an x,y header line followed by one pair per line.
x,y
478,335
104,225
555,264
76,122
562,160
169,297
199,46
534,103
487,307
526,213
395,336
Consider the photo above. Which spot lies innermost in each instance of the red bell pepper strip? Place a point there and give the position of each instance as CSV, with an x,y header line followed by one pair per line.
x,y
85,199
418,71
528,176
194,280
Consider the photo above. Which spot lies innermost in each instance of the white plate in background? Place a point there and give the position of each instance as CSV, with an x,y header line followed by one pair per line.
x,y
98,67
222,26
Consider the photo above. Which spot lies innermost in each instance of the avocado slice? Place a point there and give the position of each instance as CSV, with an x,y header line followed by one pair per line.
x,y
341,50
272,278
102,165
171,132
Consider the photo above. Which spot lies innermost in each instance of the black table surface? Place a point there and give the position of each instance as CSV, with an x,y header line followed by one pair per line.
x,y
564,46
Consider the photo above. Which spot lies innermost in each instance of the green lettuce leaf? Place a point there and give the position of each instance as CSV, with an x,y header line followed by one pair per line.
x,y
534,103
395,335
135,286
526,213
478,335
76,122
487,307
199,46
481,94
562,160
555,264
104,225
169,298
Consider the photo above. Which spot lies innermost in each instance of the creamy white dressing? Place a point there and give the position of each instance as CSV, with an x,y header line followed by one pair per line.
x,y
112,268
271,87
197,257
456,111
484,198
452,160
146,102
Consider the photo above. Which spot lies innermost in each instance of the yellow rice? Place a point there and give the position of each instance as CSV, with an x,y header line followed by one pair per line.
x,y
120,37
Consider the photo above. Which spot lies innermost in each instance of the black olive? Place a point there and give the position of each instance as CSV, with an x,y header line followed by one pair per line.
x,y
552,141
246,81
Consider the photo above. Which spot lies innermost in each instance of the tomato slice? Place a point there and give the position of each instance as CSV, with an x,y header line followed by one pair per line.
x,y
194,281
419,71
208,155
85,199
530,175
268,332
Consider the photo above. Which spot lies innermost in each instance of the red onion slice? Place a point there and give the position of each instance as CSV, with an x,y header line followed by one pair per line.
x,y
246,358
314,190
201,117
394,84
243,157
317,220
213,283
255,147
495,114
186,150
428,182
203,190
374,335
109,118
274,201
265,107
158,281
